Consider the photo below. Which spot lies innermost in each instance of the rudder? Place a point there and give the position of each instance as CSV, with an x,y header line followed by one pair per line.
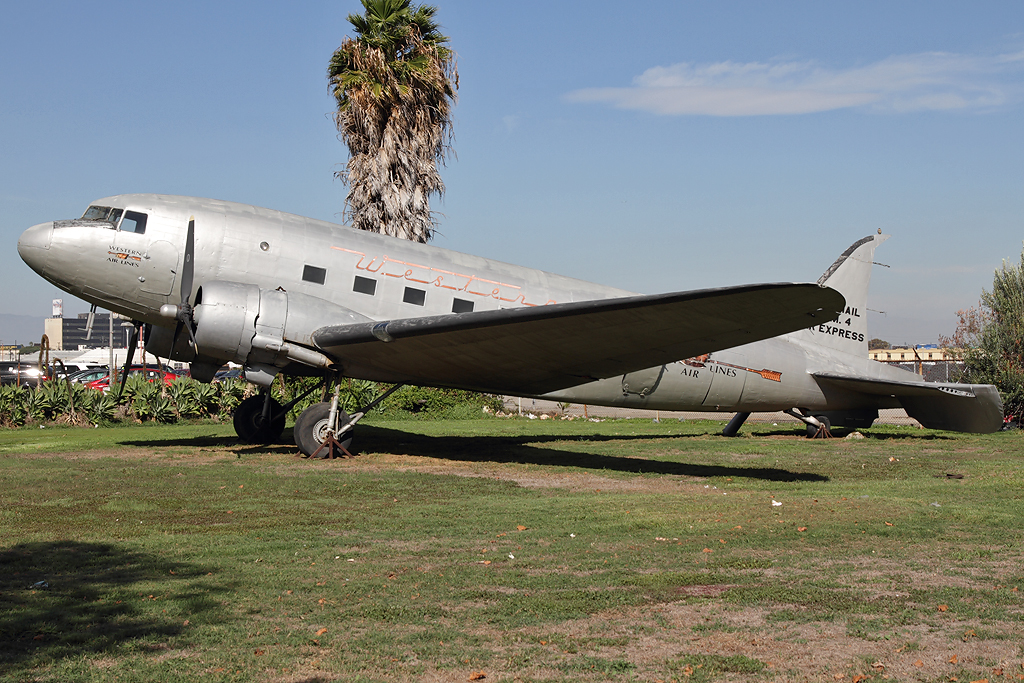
x,y
850,275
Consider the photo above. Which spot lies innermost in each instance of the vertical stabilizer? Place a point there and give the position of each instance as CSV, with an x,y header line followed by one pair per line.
x,y
850,275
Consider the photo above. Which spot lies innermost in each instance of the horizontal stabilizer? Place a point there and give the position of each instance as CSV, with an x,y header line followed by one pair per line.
x,y
973,408
534,350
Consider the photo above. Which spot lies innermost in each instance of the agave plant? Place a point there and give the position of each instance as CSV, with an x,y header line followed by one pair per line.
x,y
12,405
142,395
162,409
52,399
137,386
232,391
183,395
35,405
99,407
205,396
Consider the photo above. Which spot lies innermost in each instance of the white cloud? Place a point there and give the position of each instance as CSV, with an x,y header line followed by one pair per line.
x,y
902,83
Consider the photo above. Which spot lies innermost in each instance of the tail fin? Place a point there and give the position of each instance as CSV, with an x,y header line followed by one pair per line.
x,y
850,276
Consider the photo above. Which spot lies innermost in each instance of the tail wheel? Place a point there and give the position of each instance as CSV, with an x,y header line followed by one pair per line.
x,y
250,425
312,426
822,432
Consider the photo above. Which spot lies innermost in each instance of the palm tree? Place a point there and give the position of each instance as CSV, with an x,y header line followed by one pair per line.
x,y
395,85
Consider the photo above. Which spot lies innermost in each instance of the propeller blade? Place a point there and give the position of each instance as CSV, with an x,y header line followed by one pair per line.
x,y
132,342
177,331
187,265
184,315
192,335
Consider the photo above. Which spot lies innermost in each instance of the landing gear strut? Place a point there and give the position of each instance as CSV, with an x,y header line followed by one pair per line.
x,y
735,423
324,430
818,426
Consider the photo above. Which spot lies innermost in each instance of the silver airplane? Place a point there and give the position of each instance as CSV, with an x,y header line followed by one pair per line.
x,y
214,281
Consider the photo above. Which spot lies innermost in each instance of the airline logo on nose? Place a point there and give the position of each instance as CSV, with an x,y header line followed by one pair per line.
x,y
129,257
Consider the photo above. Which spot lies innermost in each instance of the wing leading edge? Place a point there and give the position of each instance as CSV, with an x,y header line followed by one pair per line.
x,y
531,351
973,408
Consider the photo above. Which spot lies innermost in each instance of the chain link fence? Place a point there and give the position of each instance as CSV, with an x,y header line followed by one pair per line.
x,y
553,410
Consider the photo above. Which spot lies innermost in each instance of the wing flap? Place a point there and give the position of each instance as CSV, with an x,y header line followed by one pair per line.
x,y
973,408
530,351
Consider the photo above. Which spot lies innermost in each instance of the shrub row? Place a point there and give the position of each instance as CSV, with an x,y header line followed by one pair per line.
x,y
188,399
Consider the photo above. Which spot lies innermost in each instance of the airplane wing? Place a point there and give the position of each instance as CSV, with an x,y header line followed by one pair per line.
x,y
973,408
531,351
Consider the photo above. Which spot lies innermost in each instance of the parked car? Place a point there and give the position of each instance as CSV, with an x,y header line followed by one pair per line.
x,y
26,374
90,375
231,373
69,368
152,374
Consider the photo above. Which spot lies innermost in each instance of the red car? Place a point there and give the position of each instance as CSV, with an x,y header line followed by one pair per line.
x,y
152,374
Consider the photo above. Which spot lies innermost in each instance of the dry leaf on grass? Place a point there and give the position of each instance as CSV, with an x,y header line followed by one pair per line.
x,y
477,676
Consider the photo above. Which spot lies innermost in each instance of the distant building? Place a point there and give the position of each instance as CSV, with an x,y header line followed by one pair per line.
x,y
910,354
68,334
931,362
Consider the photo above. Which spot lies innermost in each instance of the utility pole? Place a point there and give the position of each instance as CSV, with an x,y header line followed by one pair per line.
x,y
110,347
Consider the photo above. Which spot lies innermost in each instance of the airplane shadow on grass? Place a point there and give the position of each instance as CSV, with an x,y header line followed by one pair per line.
x,y
68,599
524,450
504,449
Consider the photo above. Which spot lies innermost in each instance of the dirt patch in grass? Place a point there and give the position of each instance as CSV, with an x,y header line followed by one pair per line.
x,y
652,639
533,478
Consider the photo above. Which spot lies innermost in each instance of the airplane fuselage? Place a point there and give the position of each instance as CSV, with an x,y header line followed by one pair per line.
x,y
770,375
134,274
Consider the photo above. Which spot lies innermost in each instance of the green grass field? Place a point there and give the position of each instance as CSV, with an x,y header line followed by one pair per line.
x,y
519,550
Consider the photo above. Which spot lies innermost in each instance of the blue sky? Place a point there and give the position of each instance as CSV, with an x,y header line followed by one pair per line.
x,y
650,146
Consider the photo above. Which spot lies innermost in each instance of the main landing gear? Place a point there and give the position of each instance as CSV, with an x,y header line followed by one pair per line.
x,y
260,419
324,430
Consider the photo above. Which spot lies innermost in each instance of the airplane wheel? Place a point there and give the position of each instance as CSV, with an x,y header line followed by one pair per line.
x,y
311,429
249,423
817,433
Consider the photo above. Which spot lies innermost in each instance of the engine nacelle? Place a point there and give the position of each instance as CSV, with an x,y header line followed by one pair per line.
x,y
158,341
264,330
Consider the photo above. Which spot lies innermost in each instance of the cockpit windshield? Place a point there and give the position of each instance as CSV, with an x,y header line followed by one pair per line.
x,y
105,214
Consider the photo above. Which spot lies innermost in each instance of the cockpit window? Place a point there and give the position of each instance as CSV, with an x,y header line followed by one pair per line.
x,y
134,222
102,213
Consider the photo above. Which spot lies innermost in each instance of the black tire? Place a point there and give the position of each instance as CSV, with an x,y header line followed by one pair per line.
x,y
249,423
814,433
311,427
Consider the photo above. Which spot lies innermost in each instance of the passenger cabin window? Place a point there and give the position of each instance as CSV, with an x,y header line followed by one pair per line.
x,y
462,306
103,214
364,285
314,274
133,221
414,296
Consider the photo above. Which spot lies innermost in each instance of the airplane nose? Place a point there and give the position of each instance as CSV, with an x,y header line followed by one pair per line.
x,y
34,245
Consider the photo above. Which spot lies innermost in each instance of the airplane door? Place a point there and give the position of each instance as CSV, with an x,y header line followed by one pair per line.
x,y
726,381
159,265
642,382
